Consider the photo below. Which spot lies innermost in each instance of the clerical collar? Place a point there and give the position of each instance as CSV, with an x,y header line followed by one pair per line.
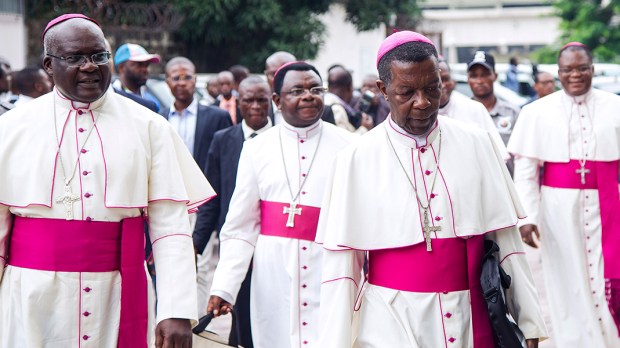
x,y
411,140
305,132
247,131
580,98
67,103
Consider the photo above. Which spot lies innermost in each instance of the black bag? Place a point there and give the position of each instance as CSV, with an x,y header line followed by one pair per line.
x,y
494,280
205,339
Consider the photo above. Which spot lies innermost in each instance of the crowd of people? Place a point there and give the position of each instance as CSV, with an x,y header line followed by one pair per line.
x,y
321,216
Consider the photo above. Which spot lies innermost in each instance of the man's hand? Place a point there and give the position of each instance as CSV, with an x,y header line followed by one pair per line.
x,y
173,333
219,306
532,343
527,233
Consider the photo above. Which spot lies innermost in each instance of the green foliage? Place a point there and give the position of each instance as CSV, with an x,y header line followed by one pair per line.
x,y
592,23
247,31
369,14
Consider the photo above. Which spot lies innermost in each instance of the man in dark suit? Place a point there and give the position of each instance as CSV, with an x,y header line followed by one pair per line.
x,y
195,123
254,102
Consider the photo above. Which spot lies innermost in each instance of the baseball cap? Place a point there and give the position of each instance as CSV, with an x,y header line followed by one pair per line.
x,y
134,53
482,58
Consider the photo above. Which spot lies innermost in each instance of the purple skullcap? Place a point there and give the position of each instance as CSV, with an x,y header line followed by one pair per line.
x,y
399,38
63,18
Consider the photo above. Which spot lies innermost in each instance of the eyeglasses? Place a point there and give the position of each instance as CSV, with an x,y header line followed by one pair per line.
x,y
81,59
298,92
178,78
582,70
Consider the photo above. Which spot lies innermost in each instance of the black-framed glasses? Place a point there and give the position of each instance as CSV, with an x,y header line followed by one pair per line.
x,y
178,78
77,60
298,92
580,69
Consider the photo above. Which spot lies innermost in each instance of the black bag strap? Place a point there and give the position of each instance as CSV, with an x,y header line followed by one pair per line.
x,y
233,339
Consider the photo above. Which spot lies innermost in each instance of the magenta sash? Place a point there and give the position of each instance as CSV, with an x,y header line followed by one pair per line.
x,y
603,177
273,221
90,246
455,264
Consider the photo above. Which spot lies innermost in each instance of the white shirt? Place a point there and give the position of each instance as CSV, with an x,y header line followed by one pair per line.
x,y
247,131
22,99
185,123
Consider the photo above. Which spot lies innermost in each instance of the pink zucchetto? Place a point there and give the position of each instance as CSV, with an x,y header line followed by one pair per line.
x,y
63,18
573,44
399,38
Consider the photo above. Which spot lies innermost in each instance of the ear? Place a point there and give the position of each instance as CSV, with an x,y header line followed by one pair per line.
x,y
47,65
383,88
276,99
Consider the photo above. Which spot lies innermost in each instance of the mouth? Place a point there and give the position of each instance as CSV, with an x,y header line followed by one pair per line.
x,y
89,81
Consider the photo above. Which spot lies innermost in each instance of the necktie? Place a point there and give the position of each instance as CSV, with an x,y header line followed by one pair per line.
x,y
253,135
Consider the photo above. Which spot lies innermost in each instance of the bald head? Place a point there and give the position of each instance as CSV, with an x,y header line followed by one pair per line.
x,y
226,81
274,62
179,61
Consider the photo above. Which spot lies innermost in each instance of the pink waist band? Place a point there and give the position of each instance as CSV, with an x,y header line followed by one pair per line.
x,y
414,269
90,246
65,246
274,221
564,175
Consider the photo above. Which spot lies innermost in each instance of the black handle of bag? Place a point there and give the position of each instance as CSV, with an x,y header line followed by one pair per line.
x,y
234,337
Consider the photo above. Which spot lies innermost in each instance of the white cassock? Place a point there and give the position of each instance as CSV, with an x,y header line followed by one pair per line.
x,y
558,129
286,271
473,199
132,160
462,108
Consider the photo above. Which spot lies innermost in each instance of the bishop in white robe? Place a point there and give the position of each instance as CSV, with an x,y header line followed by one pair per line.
x,y
64,237
573,137
273,216
438,195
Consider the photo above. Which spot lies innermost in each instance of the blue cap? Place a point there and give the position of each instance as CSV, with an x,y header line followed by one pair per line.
x,y
134,53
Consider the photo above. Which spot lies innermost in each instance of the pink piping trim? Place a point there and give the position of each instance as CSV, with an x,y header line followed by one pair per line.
x,y
350,248
243,240
25,206
298,294
428,199
443,324
170,235
515,253
416,181
445,185
77,148
409,136
105,168
80,312
341,278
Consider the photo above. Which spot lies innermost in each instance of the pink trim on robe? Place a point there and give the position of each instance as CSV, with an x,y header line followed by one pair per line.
x,y
603,177
90,246
273,221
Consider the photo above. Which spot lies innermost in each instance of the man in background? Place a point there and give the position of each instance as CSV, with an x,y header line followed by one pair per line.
x,y
132,65
31,82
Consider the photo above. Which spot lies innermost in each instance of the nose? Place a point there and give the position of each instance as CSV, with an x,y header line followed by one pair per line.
x,y
421,101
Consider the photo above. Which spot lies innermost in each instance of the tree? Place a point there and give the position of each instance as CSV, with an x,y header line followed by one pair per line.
x,y
594,23
216,34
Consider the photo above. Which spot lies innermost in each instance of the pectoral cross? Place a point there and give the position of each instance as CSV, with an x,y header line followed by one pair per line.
x,y
291,210
583,171
428,229
67,199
